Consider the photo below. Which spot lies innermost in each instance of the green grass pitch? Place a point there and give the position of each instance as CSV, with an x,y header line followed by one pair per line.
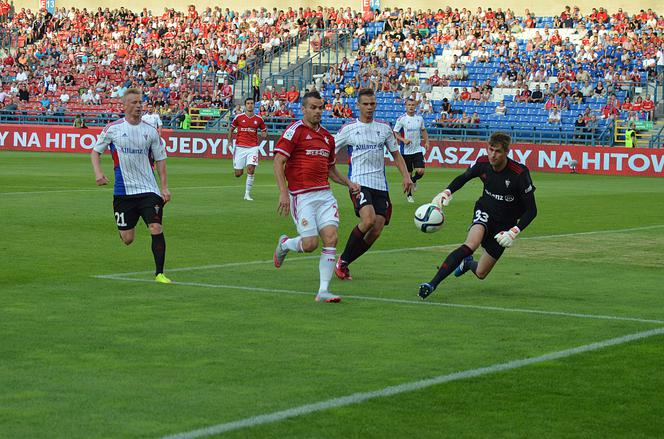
x,y
83,356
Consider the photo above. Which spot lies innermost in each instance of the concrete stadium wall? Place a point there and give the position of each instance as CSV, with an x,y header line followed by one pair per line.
x,y
539,8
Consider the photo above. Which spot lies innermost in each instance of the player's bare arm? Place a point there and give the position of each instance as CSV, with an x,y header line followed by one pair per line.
x,y
401,165
264,134
161,170
425,137
231,128
401,138
337,177
100,178
283,208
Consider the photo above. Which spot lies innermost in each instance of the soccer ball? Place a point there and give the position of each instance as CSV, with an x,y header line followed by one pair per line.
x,y
429,218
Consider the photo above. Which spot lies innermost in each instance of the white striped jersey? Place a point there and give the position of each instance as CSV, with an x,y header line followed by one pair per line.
x,y
410,127
153,119
366,143
133,147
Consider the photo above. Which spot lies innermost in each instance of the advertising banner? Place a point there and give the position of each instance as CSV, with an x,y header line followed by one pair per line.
x,y
452,154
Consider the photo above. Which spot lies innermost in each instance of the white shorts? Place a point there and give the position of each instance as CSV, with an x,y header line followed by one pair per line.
x,y
243,157
312,211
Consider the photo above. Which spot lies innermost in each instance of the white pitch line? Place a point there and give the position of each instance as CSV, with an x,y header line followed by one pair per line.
x,y
65,191
392,250
360,397
402,301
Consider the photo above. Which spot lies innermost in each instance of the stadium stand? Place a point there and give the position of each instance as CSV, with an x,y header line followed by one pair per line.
x,y
467,70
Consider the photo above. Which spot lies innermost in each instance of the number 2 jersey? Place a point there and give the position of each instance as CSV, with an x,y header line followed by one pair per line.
x,y
366,143
132,148
507,195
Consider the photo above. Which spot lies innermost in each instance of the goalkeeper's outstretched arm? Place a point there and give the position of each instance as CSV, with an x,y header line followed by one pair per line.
x,y
462,179
444,198
530,212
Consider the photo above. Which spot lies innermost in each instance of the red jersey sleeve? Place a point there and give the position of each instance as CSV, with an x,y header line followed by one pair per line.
x,y
287,141
332,159
261,125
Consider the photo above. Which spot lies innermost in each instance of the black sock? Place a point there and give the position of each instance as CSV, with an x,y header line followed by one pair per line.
x,y
355,236
159,252
414,179
359,249
451,263
355,247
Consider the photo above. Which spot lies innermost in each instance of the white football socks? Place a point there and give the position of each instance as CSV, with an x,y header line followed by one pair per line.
x,y
328,257
249,184
293,244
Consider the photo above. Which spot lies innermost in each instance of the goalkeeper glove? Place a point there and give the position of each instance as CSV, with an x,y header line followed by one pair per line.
x,y
507,237
442,199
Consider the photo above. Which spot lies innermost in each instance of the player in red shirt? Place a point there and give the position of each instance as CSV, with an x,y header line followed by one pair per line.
x,y
246,150
304,159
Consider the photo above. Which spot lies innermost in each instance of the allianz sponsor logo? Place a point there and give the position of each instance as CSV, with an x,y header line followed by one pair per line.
x,y
320,152
507,198
367,147
126,150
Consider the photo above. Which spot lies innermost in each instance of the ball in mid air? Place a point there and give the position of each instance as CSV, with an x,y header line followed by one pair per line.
x,y
429,218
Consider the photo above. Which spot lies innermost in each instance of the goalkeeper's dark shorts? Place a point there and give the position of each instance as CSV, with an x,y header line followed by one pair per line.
x,y
491,229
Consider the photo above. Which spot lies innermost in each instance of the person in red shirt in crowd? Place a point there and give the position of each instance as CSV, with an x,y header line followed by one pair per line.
x,y
524,95
435,79
602,16
637,105
565,87
648,107
555,38
226,93
304,160
465,94
267,95
627,105
609,111
281,94
5,7
283,111
347,112
293,95
246,152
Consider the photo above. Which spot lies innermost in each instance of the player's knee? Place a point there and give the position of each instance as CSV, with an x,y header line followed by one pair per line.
x,y
309,245
472,245
251,170
126,240
330,240
238,172
155,229
419,172
368,221
481,275
376,229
